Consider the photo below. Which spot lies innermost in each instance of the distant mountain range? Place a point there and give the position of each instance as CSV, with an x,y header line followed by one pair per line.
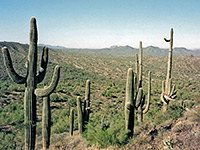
x,y
111,51
52,47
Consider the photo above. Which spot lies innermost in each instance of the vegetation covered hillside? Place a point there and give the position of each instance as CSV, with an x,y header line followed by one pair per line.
x,y
177,128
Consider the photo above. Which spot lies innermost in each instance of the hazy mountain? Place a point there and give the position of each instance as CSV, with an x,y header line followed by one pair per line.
x,y
51,46
117,51
120,51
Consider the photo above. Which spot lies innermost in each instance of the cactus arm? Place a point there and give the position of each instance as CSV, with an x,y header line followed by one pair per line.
x,y
136,64
43,92
168,98
43,66
9,67
87,91
173,91
166,40
163,99
163,86
147,106
139,98
149,94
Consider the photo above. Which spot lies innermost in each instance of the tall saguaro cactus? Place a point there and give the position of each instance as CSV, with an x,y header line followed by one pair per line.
x,y
139,96
46,112
87,99
30,80
168,93
71,120
129,103
80,115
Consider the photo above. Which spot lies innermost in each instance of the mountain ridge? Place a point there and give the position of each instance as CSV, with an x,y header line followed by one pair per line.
x,y
114,50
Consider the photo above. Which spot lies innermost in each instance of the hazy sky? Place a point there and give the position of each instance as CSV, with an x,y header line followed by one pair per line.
x,y
102,23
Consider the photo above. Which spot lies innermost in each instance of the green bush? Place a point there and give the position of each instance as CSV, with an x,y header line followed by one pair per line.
x,y
110,132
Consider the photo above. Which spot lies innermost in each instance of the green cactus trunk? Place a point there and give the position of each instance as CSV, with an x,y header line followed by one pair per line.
x,y
29,96
80,115
87,99
140,66
46,115
169,68
168,93
46,122
140,110
71,122
31,80
139,97
129,103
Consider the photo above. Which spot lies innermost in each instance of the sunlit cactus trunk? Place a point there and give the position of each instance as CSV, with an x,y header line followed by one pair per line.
x,y
168,92
31,83
129,103
139,96
169,68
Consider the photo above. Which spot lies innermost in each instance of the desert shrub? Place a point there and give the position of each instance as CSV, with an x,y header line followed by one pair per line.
x,y
174,112
54,97
60,121
107,133
72,101
12,114
8,141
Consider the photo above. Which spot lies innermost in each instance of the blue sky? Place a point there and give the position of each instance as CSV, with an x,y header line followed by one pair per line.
x,y
102,23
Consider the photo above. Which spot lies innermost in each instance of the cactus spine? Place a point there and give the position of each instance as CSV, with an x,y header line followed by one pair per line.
x,y
129,103
168,93
71,122
80,115
46,112
140,97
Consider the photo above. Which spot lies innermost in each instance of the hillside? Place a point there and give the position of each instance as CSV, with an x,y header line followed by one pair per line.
x,y
107,70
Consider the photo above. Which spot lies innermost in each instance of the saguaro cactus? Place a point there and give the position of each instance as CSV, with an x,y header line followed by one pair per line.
x,y
30,80
46,112
141,101
80,115
168,93
71,120
87,99
129,103
139,96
